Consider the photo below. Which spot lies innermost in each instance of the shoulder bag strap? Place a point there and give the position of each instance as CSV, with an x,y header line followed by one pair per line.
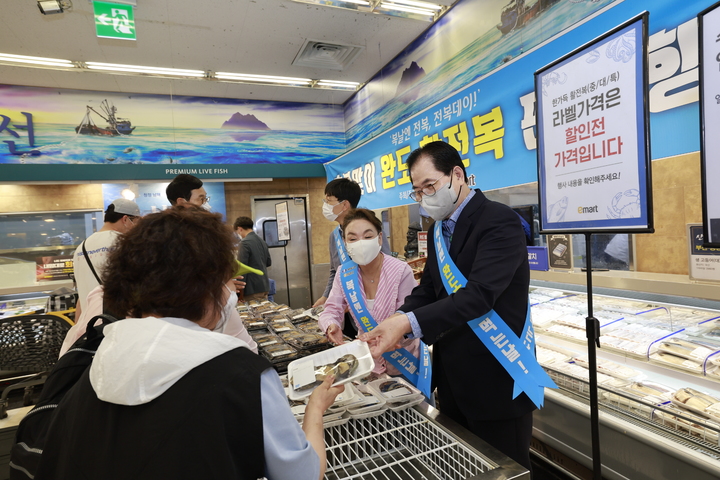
x,y
87,259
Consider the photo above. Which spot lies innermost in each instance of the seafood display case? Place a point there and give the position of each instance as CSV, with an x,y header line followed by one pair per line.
x,y
658,384
417,443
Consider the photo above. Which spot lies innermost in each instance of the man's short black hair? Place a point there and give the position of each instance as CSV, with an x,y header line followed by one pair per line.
x,y
246,223
344,189
182,187
443,156
111,216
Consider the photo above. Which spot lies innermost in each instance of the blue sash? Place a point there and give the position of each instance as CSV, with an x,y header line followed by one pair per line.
x,y
418,372
343,254
516,355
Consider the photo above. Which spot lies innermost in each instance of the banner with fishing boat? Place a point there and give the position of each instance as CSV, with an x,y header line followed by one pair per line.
x,y
42,126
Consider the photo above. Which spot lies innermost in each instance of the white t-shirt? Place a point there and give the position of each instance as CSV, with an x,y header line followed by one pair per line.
x,y
98,246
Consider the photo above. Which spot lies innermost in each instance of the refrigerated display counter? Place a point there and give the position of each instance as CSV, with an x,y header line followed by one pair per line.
x,y
646,429
418,443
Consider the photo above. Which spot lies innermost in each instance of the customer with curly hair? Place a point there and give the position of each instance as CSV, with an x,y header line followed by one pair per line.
x,y
165,396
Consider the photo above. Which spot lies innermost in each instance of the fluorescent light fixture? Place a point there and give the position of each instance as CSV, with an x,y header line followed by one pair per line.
x,y
245,77
358,2
423,5
170,72
405,8
337,84
51,62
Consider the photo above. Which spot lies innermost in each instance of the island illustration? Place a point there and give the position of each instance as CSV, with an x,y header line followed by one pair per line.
x,y
410,76
249,125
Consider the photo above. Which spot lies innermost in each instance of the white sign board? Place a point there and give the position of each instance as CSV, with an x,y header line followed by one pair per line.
x,y
593,154
709,31
704,262
283,222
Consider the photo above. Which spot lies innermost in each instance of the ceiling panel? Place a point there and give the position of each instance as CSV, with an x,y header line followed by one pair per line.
x,y
244,36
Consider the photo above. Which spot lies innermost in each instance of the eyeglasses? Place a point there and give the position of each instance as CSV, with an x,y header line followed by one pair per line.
x,y
335,205
132,219
427,191
205,199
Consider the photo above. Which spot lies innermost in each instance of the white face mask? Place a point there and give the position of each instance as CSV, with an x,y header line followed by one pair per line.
x,y
207,207
363,252
328,211
226,312
442,204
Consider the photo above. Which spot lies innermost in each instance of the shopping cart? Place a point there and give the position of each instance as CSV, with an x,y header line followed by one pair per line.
x,y
413,444
30,345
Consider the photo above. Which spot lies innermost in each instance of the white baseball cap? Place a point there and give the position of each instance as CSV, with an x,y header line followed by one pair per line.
x,y
126,207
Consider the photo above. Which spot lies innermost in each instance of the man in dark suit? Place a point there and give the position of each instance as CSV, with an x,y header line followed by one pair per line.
x,y
486,241
254,253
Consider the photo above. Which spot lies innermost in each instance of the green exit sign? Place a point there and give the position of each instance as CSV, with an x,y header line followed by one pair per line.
x,y
114,20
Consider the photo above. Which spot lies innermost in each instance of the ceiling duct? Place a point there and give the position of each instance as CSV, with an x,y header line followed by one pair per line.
x,y
327,55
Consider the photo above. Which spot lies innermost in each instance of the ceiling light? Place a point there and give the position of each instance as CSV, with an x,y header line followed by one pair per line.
x,y
170,72
52,62
405,8
423,5
128,194
337,84
48,7
244,77
413,9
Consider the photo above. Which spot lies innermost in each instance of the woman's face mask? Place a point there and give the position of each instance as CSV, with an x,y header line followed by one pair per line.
x,y
364,251
230,305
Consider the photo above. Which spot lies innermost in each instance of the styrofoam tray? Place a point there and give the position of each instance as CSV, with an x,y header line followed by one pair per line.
x,y
340,421
357,348
397,407
369,403
398,395
373,413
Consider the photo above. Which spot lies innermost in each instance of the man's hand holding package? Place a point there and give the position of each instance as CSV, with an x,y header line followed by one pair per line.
x,y
387,336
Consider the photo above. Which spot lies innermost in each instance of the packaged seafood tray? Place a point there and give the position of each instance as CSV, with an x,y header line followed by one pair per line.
x,y
300,315
548,354
687,348
309,326
395,390
347,362
265,338
253,323
369,401
280,324
303,340
679,419
279,352
611,368
404,405
695,401
681,363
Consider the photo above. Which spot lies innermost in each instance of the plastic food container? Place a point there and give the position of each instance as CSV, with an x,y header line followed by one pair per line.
x,y
301,372
395,390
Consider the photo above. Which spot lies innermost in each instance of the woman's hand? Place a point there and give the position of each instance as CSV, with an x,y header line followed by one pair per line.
x,y
334,334
324,395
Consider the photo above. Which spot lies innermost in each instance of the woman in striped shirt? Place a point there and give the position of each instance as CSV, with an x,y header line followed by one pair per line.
x,y
384,282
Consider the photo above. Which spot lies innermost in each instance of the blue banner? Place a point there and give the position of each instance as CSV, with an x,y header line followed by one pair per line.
x,y
538,258
417,371
491,121
515,354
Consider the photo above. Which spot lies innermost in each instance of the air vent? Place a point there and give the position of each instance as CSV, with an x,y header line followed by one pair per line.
x,y
330,56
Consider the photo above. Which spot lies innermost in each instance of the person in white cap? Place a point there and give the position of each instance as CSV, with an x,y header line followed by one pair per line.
x,y
90,257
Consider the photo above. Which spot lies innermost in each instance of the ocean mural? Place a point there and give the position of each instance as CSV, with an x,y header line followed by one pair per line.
x,y
473,39
59,126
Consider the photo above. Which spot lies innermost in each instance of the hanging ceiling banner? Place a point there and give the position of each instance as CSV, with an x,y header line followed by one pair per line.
x,y
709,36
593,136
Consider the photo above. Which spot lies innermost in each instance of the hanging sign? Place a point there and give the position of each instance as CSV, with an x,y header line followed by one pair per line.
x,y
709,33
593,140
114,20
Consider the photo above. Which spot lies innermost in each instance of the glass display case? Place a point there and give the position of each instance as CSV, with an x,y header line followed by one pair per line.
x,y
35,248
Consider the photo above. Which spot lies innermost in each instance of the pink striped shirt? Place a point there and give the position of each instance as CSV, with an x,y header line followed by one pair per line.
x,y
395,283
